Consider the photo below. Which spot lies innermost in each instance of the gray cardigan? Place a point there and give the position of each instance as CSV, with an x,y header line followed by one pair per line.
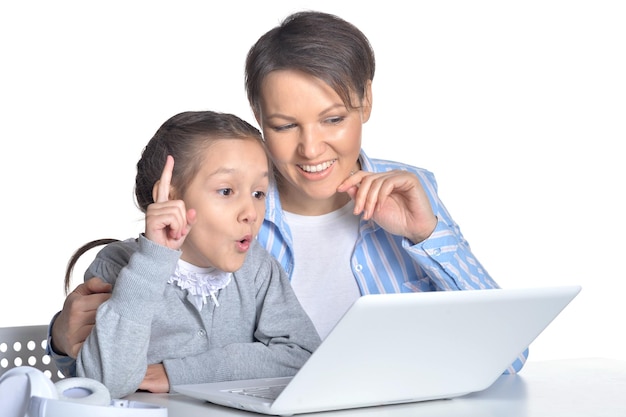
x,y
258,330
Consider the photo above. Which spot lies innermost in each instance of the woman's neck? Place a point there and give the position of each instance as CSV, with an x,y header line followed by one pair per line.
x,y
305,206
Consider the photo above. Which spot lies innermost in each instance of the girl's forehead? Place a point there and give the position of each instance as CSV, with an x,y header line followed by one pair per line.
x,y
234,152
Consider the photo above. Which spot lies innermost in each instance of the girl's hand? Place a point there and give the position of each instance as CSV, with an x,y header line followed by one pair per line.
x,y
168,221
156,380
395,200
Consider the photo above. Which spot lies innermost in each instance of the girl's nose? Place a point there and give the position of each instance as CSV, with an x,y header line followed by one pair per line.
x,y
248,212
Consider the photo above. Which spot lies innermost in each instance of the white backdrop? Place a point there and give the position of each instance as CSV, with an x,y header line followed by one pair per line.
x,y
519,108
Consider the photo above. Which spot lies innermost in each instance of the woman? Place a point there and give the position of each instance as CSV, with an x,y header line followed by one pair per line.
x,y
309,83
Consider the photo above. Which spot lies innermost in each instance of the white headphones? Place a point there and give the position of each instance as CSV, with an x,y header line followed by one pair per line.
x,y
27,392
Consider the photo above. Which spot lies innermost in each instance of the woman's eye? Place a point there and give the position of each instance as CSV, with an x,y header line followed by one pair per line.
x,y
335,120
284,127
225,191
259,195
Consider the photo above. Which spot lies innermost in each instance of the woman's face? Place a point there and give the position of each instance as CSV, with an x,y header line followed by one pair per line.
x,y
313,139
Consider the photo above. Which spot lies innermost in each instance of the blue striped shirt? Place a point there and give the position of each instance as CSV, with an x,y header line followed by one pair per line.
x,y
386,263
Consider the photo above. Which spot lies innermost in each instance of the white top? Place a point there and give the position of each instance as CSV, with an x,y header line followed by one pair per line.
x,y
325,289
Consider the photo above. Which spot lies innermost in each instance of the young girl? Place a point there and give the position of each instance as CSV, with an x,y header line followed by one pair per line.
x,y
195,298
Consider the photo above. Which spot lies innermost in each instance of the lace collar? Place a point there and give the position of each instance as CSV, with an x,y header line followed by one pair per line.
x,y
199,282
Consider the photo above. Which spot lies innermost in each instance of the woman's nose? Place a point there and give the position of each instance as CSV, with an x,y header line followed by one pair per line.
x,y
309,144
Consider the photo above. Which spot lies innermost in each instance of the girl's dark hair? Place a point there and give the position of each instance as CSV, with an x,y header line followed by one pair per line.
x,y
80,252
319,44
185,136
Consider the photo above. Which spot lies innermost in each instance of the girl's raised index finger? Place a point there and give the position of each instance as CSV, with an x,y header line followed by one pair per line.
x,y
163,190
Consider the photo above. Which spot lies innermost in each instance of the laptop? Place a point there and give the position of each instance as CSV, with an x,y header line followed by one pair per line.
x,y
399,348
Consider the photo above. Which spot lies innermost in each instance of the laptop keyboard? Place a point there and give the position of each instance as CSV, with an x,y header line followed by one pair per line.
x,y
268,393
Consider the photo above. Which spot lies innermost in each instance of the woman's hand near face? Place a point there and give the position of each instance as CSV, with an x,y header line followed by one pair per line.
x,y
395,200
168,221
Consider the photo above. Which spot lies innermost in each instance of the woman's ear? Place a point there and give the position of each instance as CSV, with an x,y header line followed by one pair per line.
x,y
258,119
367,102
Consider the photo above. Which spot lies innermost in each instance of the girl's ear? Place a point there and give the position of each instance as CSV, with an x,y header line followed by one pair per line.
x,y
367,102
171,195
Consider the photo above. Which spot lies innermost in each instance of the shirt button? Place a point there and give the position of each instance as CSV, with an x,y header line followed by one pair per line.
x,y
358,268
436,251
201,333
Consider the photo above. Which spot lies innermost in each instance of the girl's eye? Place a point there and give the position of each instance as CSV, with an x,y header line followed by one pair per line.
x,y
260,195
225,191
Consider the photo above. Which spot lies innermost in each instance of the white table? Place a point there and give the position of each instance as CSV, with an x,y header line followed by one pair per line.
x,y
570,388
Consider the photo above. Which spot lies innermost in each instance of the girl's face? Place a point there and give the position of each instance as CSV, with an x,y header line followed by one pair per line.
x,y
228,194
314,140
